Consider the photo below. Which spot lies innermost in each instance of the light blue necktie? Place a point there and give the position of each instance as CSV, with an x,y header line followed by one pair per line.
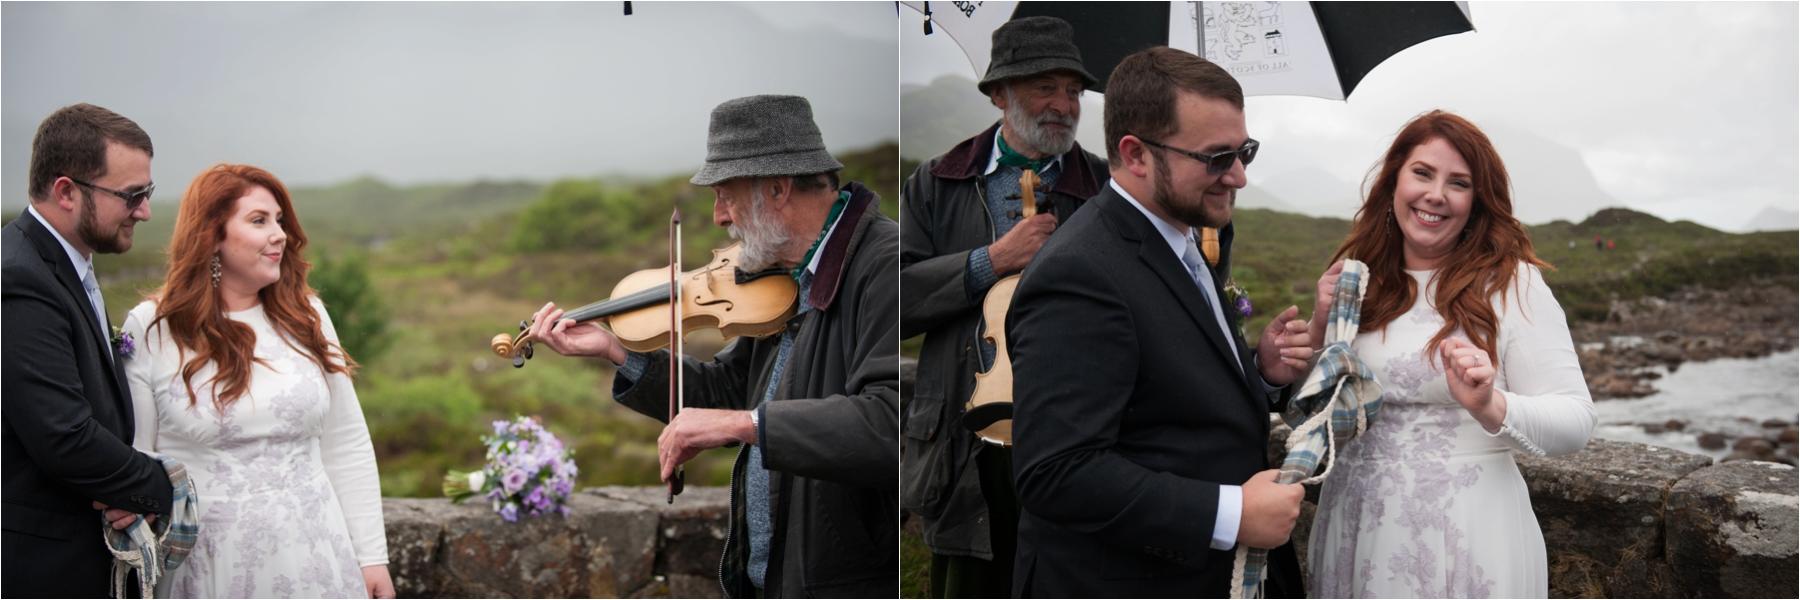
x,y
1203,278
92,284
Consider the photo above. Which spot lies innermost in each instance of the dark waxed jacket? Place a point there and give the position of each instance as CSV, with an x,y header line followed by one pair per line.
x,y
945,216
829,434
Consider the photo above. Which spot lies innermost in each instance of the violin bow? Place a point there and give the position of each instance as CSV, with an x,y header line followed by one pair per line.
x,y
675,338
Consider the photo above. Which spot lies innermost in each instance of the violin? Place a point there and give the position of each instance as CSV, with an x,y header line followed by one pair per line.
x,y
642,316
988,412
716,296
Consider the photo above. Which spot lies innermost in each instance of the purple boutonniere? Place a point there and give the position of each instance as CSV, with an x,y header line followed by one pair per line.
x,y
122,343
1236,298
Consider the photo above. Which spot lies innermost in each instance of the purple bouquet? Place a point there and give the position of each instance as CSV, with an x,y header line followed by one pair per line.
x,y
529,473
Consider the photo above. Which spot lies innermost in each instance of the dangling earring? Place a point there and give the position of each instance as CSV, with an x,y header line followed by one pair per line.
x,y
216,270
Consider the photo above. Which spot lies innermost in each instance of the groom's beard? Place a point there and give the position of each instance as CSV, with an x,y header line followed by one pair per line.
x,y
1187,206
102,241
762,238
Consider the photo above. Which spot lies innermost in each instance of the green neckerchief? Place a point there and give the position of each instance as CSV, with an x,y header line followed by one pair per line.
x,y
1012,158
837,208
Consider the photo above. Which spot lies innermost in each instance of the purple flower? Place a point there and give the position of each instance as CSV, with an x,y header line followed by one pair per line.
x,y
1243,306
513,481
510,512
123,345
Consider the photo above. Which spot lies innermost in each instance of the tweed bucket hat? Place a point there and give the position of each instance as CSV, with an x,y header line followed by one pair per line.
x,y
760,136
1033,45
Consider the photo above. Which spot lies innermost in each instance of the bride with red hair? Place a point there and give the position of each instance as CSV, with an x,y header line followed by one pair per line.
x,y
238,374
1475,362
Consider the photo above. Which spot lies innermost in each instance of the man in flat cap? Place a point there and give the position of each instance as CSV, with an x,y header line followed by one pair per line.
x,y
963,230
815,408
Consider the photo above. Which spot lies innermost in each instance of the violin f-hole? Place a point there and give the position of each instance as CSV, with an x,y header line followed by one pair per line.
x,y
715,302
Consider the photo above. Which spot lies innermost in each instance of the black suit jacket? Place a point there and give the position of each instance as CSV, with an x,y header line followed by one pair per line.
x,y
65,440
1130,413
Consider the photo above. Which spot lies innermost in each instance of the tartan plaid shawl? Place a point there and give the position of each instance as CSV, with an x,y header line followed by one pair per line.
x,y
156,550
1335,403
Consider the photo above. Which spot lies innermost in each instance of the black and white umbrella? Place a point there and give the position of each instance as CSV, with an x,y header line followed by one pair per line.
x,y
1319,49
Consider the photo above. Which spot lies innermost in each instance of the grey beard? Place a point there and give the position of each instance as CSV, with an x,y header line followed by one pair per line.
x,y
1034,136
762,240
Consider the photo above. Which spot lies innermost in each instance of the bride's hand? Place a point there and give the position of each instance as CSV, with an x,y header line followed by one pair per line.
x,y
1470,376
375,578
1322,304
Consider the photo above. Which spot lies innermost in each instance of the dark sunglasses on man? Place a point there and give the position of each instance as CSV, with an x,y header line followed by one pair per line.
x,y
132,199
1216,162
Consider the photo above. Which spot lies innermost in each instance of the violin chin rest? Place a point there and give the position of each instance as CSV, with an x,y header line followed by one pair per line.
x,y
980,417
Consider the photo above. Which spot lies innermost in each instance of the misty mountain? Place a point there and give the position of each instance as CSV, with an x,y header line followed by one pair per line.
x,y
1550,179
1308,190
1773,219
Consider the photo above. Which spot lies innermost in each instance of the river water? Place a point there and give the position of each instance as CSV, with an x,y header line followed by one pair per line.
x,y
1730,396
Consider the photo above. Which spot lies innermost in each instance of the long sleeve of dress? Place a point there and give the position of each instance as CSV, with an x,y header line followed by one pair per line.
x,y
138,369
349,457
1548,408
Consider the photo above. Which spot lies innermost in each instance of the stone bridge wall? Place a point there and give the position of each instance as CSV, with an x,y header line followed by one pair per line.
x,y
1619,520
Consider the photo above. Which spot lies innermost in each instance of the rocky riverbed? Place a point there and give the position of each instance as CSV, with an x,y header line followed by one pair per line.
x,y
1729,340
1620,355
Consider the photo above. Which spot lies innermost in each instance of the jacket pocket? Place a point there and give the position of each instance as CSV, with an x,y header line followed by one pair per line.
x,y
31,520
924,454
924,412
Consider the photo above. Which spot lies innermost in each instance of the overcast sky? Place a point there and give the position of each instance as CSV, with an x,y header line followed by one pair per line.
x,y
1683,110
417,92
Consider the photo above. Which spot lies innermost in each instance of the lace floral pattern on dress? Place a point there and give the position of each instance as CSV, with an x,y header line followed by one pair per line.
x,y
1398,469
271,521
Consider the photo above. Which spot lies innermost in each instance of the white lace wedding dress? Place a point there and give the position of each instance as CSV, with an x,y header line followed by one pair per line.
x,y
1427,503
290,502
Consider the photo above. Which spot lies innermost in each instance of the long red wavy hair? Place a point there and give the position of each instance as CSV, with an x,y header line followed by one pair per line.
x,y
1482,264
193,309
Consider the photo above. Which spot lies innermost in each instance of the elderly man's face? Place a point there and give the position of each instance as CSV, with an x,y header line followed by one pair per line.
x,y
740,206
1042,111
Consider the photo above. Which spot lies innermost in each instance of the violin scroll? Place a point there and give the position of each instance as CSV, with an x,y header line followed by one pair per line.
x,y
518,349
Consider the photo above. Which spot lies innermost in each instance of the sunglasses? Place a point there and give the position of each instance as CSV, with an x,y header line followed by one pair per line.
x,y
1216,162
132,199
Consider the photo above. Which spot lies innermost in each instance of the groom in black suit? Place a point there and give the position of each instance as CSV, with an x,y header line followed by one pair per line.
x,y
1142,418
66,439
